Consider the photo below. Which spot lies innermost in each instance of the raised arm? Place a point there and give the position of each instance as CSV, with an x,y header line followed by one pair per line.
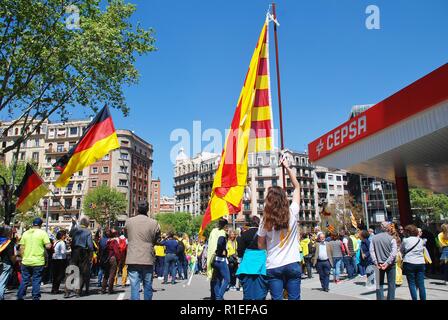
x,y
292,176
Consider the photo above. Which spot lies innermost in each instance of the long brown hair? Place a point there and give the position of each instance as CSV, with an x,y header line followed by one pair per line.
x,y
445,230
276,209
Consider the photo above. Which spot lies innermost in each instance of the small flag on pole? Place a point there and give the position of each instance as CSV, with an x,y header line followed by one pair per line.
x,y
98,140
30,190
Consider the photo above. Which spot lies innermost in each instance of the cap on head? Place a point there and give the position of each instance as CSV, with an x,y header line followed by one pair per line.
x,y
37,222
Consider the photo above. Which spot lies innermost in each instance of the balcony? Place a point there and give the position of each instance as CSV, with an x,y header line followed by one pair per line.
x,y
56,151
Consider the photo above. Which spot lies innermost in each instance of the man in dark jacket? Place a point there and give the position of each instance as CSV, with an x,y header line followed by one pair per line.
x,y
82,251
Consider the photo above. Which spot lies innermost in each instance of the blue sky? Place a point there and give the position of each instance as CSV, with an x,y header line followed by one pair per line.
x,y
329,62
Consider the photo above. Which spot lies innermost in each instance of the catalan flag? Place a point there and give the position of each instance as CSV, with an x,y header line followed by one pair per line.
x,y
231,175
98,140
30,190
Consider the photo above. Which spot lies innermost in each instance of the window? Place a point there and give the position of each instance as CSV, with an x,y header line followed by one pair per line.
x,y
47,172
105,169
122,183
260,184
260,195
330,177
80,173
331,195
339,188
94,170
73,131
104,182
78,203
22,156
60,147
36,143
68,203
79,186
35,156
274,182
124,156
259,171
338,178
94,183
16,132
331,186
123,169
106,157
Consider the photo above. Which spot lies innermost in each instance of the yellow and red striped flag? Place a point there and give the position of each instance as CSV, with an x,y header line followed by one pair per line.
x,y
98,140
30,190
252,121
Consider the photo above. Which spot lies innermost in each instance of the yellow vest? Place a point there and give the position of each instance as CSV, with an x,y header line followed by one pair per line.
x,y
304,246
160,250
232,246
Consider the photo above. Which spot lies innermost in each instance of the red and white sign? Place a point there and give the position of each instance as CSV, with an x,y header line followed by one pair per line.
x,y
419,96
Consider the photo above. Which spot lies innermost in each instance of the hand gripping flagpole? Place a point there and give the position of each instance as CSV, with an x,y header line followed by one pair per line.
x,y
273,17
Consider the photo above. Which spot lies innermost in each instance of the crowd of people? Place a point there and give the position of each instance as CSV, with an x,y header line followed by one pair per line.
x,y
267,255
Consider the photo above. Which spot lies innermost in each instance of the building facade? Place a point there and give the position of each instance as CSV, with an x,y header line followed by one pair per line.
x,y
128,169
167,204
155,196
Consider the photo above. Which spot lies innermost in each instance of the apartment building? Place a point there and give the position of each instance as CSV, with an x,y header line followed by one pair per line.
x,y
155,196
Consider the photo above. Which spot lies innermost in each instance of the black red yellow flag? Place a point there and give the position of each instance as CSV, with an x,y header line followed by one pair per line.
x,y
98,140
30,190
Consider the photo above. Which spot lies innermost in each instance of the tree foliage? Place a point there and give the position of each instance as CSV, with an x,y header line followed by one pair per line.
x,y
433,205
103,204
181,222
47,67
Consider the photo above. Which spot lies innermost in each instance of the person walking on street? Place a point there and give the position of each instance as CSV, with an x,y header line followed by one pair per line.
x,y
122,267
143,232
160,258
82,251
383,251
323,261
7,258
413,261
33,244
365,259
279,235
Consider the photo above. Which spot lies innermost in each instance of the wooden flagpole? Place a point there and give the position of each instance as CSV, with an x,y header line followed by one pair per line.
x,y
279,91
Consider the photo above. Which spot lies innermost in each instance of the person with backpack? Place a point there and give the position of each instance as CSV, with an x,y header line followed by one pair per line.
x,y
7,258
122,267
59,261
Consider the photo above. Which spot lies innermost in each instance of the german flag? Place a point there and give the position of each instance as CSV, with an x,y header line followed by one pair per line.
x,y
97,141
30,190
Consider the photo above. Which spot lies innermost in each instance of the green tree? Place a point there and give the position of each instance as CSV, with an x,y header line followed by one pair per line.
x,y
182,222
425,202
103,204
46,66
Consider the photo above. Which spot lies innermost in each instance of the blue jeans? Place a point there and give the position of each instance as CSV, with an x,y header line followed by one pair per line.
x,y
138,274
100,276
349,264
390,272
222,279
415,274
337,263
255,287
324,268
182,267
34,275
170,266
159,265
285,277
5,273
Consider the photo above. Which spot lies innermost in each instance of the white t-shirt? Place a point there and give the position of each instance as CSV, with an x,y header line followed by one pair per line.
x,y
283,246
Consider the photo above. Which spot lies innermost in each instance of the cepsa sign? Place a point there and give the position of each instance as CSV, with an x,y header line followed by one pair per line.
x,y
338,138
417,97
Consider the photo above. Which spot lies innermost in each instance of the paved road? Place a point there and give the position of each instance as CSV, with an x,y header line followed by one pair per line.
x,y
199,290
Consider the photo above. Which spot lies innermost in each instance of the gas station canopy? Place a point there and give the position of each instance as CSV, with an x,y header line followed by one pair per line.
x,y
405,135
